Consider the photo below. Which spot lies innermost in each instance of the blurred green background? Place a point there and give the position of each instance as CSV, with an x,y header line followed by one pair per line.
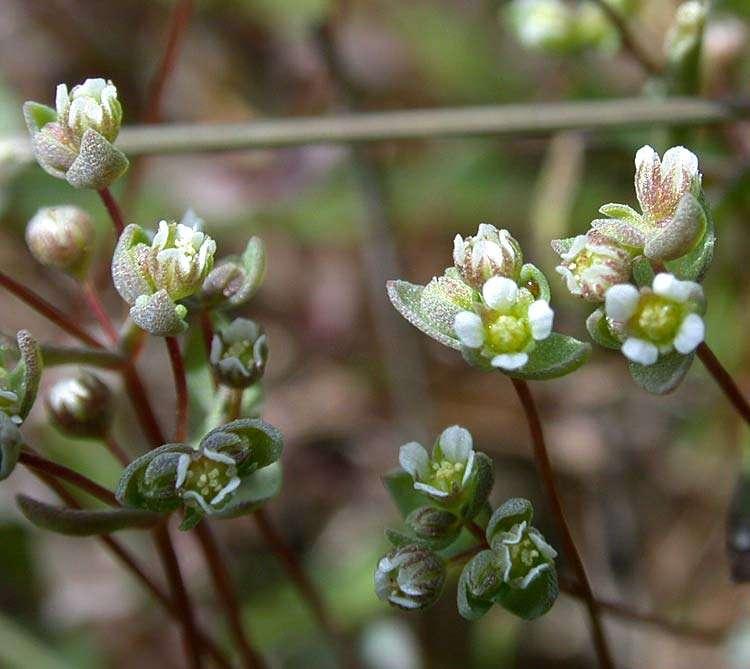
x,y
647,480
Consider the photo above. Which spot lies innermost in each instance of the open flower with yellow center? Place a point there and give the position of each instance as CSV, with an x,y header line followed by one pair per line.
x,y
505,327
206,478
656,320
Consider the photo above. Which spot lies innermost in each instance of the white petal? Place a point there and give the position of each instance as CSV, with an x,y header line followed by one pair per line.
x,y
579,243
182,469
228,488
640,351
160,238
469,469
531,575
621,301
510,360
691,333
218,457
540,317
191,494
430,490
456,444
544,548
469,329
499,292
669,286
62,100
646,157
458,250
679,160
414,460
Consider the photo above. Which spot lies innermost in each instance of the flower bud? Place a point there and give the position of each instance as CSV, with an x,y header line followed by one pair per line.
x,y
62,237
74,141
410,577
239,353
435,526
592,264
151,275
20,372
235,280
81,406
491,252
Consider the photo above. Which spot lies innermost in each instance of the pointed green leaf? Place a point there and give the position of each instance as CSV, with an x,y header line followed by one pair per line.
x,y
599,331
664,375
254,491
535,599
84,522
557,355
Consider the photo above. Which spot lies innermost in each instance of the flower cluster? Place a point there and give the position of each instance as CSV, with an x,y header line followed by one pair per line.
x,y
152,274
492,307
74,141
642,268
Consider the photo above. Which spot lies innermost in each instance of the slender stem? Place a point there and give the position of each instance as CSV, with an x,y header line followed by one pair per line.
x,y
132,565
225,590
234,405
629,39
548,479
179,595
207,331
41,464
69,355
113,446
180,382
115,213
295,572
100,313
143,410
725,381
52,313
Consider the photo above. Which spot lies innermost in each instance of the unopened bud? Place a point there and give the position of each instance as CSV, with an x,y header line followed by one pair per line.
x,y
239,353
62,237
81,406
491,252
235,280
410,577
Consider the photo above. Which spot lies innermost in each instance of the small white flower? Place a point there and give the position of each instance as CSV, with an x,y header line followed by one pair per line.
x,y
92,104
206,479
657,320
490,253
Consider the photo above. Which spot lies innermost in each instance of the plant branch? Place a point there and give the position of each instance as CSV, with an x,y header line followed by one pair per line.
x,y
724,380
50,312
548,479
115,213
117,451
225,589
180,382
100,313
70,355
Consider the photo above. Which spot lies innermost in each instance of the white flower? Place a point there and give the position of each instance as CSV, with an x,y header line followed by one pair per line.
x,y
206,478
524,553
508,325
448,471
491,252
657,320
92,104
660,184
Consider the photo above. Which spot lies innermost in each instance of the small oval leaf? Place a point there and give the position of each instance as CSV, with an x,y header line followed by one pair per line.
x,y
664,375
557,355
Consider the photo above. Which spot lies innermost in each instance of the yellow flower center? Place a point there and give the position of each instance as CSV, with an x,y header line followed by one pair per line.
x,y
208,477
657,319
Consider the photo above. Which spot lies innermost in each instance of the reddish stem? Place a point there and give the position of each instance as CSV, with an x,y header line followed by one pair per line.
x,y
40,305
143,409
115,213
100,313
116,450
180,382
725,381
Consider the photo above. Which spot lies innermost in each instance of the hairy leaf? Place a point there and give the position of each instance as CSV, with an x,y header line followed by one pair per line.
x,y
664,375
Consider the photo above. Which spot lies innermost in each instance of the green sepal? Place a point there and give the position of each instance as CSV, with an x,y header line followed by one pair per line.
x,y
252,442
555,356
480,487
37,115
191,518
435,528
470,607
84,522
254,491
149,481
622,212
511,512
398,537
535,599
407,299
664,375
643,272
31,364
400,487
533,278
11,443
599,331
694,265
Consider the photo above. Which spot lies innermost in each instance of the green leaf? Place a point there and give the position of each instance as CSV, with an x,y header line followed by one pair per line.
x,y
599,331
469,606
84,522
254,491
37,115
693,266
532,601
664,375
620,211
401,488
482,481
531,274
407,298
643,272
11,443
557,355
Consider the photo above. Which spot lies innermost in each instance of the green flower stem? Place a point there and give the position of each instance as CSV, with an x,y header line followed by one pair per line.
x,y
132,565
52,313
180,383
180,596
548,479
724,380
113,209
69,355
225,590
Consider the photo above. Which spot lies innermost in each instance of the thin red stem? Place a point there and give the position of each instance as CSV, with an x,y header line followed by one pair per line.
x,y
52,313
225,590
548,479
116,450
143,410
725,381
179,595
100,313
180,382
115,213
